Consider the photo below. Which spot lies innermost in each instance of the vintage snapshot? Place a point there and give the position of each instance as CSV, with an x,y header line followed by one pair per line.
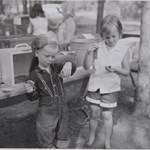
x,y
75,74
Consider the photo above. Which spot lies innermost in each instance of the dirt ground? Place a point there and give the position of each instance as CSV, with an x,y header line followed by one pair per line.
x,y
17,125
17,129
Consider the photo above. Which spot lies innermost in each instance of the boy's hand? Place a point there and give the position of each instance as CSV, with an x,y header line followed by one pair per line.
x,y
29,86
66,70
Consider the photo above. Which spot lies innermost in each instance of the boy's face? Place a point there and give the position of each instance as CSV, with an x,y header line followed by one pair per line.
x,y
112,36
46,55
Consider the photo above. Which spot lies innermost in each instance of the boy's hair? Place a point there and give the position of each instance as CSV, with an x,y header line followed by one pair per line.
x,y
41,41
108,21
38,43
37,11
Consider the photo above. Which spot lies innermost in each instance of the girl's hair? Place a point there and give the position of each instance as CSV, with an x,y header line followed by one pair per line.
x,y
107,22
38,43
37,11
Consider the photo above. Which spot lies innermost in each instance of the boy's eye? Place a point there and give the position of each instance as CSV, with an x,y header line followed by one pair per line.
x,y
107,37
53,57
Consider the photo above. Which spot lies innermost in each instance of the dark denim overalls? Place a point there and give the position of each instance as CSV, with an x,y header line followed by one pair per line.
x,y
52,114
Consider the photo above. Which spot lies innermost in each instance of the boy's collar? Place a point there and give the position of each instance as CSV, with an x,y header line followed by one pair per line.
x,y
41,70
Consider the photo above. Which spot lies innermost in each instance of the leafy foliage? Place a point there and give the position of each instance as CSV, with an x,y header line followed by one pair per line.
x,y
130,10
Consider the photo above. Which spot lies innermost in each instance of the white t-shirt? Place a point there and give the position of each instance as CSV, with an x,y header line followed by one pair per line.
x,y
107,82
39,25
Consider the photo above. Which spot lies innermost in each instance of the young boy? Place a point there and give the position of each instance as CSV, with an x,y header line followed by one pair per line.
x,y
46,84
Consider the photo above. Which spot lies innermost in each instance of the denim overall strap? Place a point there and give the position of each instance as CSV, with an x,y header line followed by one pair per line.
x,y
44,83
60,103
62,89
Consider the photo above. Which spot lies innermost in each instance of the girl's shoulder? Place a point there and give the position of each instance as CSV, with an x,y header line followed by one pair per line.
x,y
122,42
122,45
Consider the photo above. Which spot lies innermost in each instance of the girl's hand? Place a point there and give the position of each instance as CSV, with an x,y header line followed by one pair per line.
x,y
66,70
109,68
93,51
29,86
113,69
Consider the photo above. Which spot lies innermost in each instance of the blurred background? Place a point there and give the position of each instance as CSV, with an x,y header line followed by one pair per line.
x,y
87,14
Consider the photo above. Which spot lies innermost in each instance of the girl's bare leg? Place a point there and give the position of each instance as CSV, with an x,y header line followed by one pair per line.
x,y
95,113
108,126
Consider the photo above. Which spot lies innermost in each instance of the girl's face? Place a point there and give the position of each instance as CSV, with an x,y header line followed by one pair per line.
x,y
112,36
46,55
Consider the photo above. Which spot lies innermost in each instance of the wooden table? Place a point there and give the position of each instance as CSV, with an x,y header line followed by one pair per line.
x,y
18,89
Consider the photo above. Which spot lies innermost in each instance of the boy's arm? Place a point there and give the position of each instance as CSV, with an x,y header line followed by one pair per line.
x,y
61,60
33,94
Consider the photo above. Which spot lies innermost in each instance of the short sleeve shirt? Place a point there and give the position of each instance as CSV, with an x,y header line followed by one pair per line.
x,y
40,25
107,82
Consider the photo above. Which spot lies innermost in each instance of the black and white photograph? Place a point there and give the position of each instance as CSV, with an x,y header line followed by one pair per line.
x,y
75,74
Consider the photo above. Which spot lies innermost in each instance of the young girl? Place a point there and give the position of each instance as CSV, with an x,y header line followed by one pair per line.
x,y
45,83
38,22
112,60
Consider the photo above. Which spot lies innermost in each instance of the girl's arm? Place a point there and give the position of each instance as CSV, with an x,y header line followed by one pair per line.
x,y
66,16
52,26
90,56
88,60
125,69
134,66
68,13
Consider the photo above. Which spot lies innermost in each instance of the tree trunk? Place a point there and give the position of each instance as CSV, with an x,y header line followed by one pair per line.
x,y
143,95
100,10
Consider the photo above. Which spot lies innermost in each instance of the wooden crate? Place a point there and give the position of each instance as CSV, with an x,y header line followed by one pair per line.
x,y
14,62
